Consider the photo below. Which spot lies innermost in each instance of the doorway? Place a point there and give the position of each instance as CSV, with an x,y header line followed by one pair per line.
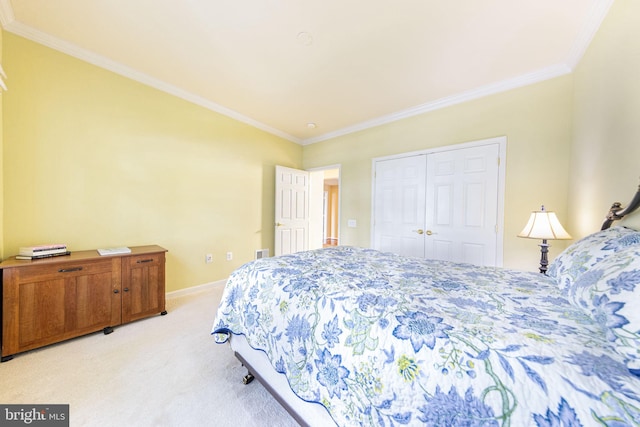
x,y
324,206
331,197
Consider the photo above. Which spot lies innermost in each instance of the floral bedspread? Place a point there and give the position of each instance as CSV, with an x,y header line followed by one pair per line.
x,y
385,340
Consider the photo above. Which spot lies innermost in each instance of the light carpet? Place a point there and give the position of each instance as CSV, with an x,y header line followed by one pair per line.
x,y
160,371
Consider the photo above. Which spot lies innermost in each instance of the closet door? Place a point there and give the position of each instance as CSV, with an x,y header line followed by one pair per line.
x,y
462,205
399,205
441,205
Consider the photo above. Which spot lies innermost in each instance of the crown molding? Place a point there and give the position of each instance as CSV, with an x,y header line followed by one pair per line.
x,y
6,13
597,14
70,49
524,80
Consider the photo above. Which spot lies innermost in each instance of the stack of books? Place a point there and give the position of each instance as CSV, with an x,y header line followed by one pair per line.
x,y
42,251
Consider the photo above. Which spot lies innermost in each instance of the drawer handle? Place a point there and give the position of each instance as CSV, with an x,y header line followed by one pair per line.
x,y
141,261
69,270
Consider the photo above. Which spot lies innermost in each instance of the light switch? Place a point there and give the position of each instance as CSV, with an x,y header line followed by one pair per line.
x,y
352,223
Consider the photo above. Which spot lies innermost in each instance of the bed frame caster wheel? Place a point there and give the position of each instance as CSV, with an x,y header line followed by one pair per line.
x,y
164,313
107,330
247,378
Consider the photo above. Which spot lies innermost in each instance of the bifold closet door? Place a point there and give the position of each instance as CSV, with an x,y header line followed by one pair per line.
x,y
439,205
399,205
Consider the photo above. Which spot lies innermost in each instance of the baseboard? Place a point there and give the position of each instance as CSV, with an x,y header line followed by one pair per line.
x,y
195,289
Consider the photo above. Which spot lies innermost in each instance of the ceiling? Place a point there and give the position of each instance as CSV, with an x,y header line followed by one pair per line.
x,y
282,65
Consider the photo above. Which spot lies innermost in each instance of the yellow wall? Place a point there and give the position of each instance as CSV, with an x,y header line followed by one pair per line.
x,y
93,159
537,123
605,165
573,142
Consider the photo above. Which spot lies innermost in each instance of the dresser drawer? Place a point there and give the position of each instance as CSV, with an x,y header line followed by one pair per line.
x,y
143,260
61,270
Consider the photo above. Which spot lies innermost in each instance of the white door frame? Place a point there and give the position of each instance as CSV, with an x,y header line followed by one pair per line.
x,y
502,144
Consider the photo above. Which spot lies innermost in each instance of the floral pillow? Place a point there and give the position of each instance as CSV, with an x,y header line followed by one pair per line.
x,y
583,255
609,292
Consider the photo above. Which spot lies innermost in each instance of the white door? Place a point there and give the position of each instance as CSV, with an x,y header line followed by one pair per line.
x,y
462,205
291,210
399,205
441,205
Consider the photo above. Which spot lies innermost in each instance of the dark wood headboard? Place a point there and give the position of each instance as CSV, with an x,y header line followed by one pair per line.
x,y
618,212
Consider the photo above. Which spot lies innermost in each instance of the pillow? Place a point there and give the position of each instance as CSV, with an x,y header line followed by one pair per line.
x,y
583,255
609,293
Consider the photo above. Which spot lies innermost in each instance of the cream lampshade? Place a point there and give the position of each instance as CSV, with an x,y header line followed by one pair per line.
x,y
544,225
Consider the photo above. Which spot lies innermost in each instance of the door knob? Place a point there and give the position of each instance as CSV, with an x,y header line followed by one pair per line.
x,y
278,224
419,231
429,232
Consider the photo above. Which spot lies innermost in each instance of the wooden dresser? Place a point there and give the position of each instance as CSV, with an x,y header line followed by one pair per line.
x,y
53,299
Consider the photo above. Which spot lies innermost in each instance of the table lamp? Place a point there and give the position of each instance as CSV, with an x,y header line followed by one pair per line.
x,y
544,225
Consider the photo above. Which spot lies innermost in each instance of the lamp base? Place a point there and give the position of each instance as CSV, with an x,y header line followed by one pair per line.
x,y
544,261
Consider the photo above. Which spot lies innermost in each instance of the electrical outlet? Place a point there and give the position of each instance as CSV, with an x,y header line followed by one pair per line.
x,y
229,256
208,258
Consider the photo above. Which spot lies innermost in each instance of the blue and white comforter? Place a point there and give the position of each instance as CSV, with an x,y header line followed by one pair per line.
x,y
386,340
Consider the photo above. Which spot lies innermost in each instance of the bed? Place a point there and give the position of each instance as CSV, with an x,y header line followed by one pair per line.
x,y
353,336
